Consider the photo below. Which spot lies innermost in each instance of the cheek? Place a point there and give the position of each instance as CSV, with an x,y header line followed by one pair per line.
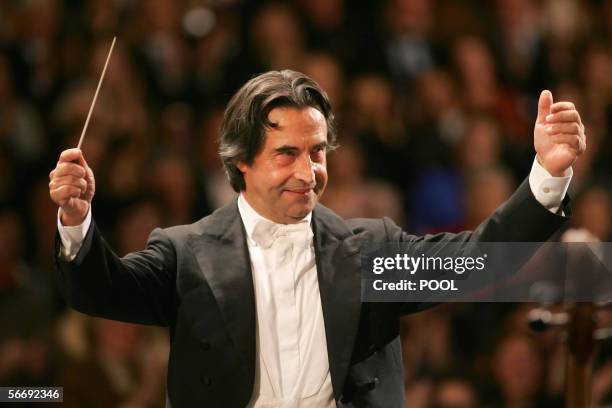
x,y
276,178
321,174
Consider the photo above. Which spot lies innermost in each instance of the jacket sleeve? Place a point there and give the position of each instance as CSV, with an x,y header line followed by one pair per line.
x,y
520,219
138,288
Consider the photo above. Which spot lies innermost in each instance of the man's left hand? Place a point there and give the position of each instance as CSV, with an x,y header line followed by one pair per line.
x,y
558,135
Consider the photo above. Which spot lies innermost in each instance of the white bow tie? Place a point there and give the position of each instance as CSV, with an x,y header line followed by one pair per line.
x,y
266,233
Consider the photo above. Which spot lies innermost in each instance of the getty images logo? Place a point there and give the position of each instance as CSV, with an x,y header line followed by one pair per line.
x,y
411,264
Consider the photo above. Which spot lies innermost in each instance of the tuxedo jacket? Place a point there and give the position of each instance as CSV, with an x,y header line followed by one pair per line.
x,y
196,279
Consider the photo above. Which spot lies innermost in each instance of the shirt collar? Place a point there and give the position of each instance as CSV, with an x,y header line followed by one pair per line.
x,y
250,216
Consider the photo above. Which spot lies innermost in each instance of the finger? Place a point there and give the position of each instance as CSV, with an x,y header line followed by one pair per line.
x,y
91,181
582,141
544,104
69,169
57,188
68,181
90,175
68,203
569,139
62,194
564,116
66,191
71,155
561,106
564,127
84,162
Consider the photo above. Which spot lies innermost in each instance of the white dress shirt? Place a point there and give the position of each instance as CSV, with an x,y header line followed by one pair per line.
x,y
292,367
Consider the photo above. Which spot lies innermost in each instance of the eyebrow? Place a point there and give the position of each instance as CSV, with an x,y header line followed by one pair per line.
x,y
289,149
286,149
320,145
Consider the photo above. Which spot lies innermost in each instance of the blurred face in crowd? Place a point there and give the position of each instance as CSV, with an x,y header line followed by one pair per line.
x,y
324,69
289,173
518,367
593,212
455,393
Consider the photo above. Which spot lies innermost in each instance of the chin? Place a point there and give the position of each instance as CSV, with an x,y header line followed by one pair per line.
x,y
299,212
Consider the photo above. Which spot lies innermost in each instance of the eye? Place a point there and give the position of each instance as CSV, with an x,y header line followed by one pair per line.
x,y
318,153
285,157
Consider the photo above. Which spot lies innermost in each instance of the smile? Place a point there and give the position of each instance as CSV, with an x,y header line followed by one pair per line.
x,y
299,192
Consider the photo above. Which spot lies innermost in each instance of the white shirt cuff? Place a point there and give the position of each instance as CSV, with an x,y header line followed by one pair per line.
x,y
72,237
548,190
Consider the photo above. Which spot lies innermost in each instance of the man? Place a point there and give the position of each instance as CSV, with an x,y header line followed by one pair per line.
x,y
263,296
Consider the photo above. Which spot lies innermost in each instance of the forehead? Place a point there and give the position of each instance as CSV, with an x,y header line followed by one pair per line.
x,y
295,125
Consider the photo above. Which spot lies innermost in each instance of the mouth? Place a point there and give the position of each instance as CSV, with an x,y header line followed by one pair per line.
x,y
299,192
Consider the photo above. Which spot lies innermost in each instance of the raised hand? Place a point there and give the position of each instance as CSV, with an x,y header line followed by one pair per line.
x,y
72,187
558,135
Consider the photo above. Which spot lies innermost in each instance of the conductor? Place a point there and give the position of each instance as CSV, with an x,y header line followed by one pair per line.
x,y
262,298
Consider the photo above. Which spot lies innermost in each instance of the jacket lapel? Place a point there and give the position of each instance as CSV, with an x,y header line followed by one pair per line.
x,y
338,270
223,257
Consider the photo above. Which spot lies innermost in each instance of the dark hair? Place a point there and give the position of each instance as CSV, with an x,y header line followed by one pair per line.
x,y
246,116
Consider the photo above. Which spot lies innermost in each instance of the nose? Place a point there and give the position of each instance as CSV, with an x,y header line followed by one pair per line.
x,y
304,170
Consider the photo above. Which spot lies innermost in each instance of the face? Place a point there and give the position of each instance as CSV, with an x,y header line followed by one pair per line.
x,y
289,174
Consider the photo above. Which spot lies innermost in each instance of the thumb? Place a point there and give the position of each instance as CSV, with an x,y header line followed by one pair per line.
x,y
544,104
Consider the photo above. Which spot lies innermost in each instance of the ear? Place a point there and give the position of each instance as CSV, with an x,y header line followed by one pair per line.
x,y
242,166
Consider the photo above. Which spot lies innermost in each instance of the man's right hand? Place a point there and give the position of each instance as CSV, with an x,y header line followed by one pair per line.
x,y
72,187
